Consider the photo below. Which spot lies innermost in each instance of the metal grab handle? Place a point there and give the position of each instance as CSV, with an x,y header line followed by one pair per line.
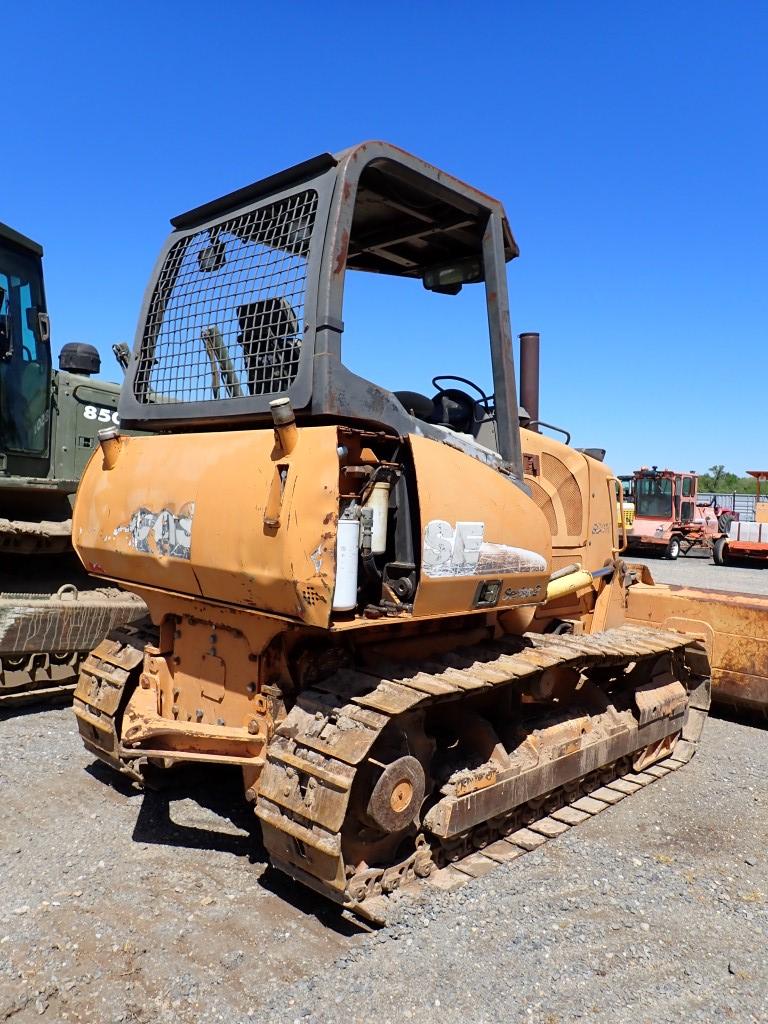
x,y
619,496
532,424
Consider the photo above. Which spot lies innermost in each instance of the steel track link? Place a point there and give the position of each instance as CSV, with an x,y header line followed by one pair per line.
x,y
312,761
102,691
542,830
44,678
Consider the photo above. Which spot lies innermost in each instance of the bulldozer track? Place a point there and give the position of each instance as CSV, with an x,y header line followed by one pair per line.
x,y
559,821
327,738
101,692
321,746
46,677
45,635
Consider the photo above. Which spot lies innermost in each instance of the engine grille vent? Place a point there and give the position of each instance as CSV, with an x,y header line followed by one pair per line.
x,y
542,499
568,491
310,596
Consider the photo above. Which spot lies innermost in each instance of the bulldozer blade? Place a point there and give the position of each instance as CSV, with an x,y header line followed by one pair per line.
x,y
734,628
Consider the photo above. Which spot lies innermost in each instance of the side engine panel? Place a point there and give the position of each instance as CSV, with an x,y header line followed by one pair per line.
x,y
484,543
577,497
241,523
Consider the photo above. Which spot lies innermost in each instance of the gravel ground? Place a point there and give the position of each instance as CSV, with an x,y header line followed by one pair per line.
x,y
698,570
122,907
157,908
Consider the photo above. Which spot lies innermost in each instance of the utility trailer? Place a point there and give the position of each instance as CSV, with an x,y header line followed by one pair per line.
x,y
747,540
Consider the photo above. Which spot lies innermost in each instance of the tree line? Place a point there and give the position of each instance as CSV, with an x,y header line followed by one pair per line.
x,y
717,478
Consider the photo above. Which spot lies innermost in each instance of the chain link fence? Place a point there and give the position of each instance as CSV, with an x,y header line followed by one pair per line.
x,y
742,504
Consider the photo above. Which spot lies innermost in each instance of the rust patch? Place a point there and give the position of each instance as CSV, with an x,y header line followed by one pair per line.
x,y
341,254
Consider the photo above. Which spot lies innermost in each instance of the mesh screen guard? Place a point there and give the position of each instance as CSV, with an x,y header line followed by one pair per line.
x,y
226,317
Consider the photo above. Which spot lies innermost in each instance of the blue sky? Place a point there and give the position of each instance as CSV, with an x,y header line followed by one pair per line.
x,y
627,141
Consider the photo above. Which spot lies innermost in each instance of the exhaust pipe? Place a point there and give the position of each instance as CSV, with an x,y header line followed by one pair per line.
x,y
529,375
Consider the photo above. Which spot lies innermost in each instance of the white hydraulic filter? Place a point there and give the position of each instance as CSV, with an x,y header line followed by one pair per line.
x,y
347,545
379,505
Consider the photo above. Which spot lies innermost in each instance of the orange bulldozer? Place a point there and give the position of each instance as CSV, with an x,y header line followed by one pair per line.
x,y
403,617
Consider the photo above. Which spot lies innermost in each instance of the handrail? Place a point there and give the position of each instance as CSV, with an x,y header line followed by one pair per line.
x,y
619,496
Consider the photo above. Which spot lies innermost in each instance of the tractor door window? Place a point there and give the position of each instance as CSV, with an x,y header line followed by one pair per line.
x,y
25,367
676,500
654,497
687,486
4,296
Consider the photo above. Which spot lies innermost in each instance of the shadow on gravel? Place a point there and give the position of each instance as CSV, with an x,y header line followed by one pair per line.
x,y
761,564
34,707
740,716
219,791
109,777
310,904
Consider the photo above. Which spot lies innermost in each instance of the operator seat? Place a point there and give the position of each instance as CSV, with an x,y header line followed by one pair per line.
x,y
450,408
417,405
271,345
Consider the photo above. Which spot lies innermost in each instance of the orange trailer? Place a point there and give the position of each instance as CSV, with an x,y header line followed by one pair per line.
x,y
747,540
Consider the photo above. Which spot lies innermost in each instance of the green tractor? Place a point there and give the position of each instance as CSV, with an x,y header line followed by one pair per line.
x,y
51,612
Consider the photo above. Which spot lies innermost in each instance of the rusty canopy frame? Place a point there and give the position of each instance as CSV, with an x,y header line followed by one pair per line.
x,y
379,210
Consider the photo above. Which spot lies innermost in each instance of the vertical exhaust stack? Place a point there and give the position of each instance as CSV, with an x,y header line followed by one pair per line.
x,y
529,375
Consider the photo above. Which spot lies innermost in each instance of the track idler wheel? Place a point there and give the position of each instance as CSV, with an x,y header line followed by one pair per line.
x,y
398,794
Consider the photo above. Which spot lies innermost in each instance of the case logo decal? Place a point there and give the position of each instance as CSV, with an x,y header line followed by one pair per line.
x,y
161,533
462,550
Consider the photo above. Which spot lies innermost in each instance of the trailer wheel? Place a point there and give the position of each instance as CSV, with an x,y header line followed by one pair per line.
x,y
720,551
673,548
